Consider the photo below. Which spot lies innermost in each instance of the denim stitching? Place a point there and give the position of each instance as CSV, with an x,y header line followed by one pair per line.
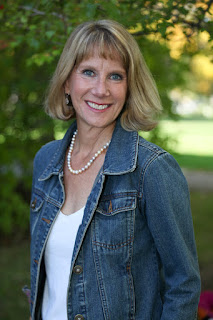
x,y
100,279
113,246
47,198
118,195
110,213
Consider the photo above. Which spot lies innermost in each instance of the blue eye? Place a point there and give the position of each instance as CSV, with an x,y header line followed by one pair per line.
x,y
88,73
116,76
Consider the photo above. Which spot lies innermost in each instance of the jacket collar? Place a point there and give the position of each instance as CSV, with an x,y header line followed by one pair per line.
x,y
121,156
55,165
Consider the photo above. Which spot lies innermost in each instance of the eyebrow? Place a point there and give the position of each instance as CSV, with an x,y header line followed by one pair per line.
x,y
90,66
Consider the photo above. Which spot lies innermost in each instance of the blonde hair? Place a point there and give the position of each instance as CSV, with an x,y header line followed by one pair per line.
x,y
107,36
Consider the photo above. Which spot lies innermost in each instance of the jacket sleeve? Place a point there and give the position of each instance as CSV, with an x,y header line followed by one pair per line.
x,y
167,208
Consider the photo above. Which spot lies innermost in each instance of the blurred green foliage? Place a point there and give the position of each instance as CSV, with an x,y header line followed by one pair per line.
x,y
24,128
32,37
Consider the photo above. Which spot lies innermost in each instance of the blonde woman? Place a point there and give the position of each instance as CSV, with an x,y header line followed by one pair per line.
x,y
111,228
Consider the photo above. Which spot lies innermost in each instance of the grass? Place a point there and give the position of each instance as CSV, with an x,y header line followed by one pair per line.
x,y
195,162
14,266
192,142
202,208
194,137
194,147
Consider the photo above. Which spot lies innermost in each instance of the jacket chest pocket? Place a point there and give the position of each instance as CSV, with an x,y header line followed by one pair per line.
x,y
113,223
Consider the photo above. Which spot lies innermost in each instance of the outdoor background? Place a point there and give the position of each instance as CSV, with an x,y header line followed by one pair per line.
x,y
176,40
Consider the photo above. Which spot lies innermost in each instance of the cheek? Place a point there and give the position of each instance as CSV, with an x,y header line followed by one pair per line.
x,y
80,87
76,90
121,94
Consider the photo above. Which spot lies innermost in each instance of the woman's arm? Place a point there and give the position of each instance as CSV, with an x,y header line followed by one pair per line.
x,y
167,208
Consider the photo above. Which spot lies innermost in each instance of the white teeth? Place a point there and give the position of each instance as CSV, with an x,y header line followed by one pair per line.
x,y
97,106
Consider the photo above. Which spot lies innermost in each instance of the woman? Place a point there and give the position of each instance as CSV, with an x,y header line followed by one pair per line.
x,y
112,234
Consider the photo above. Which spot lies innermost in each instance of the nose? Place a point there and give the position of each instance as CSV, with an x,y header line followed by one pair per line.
x,y
101,88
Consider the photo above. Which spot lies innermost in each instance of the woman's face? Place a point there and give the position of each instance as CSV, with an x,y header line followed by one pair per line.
x,y
98,89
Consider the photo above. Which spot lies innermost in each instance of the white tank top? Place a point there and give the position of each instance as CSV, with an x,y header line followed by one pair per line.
x,y
57,257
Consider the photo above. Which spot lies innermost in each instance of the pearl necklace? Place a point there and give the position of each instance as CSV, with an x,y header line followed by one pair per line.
x,y
89,162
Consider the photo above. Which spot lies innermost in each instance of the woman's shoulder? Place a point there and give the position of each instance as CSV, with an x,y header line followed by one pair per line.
x,y
52,153
45,155
148,149
160,173
155,158
47,151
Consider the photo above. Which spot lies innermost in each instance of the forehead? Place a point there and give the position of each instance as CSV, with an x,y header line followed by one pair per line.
x,y
101,52
100,61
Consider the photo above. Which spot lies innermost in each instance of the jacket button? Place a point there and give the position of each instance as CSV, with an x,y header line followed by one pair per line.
x,y
78,270
33,204
79,317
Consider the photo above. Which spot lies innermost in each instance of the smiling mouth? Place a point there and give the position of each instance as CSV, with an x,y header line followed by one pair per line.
x,y
97,106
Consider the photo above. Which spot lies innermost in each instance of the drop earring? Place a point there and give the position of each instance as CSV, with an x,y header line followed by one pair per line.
x,y
68,99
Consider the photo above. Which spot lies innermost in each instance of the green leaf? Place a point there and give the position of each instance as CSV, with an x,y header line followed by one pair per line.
x,y
49,34
33,43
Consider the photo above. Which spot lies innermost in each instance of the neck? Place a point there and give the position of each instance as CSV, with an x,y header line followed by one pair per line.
x,y
90,139
88,164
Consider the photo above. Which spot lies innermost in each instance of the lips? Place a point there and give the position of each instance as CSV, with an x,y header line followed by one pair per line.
x,y
97,106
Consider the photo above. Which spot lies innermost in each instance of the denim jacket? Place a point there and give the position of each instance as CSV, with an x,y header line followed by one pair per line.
x,y
134,256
